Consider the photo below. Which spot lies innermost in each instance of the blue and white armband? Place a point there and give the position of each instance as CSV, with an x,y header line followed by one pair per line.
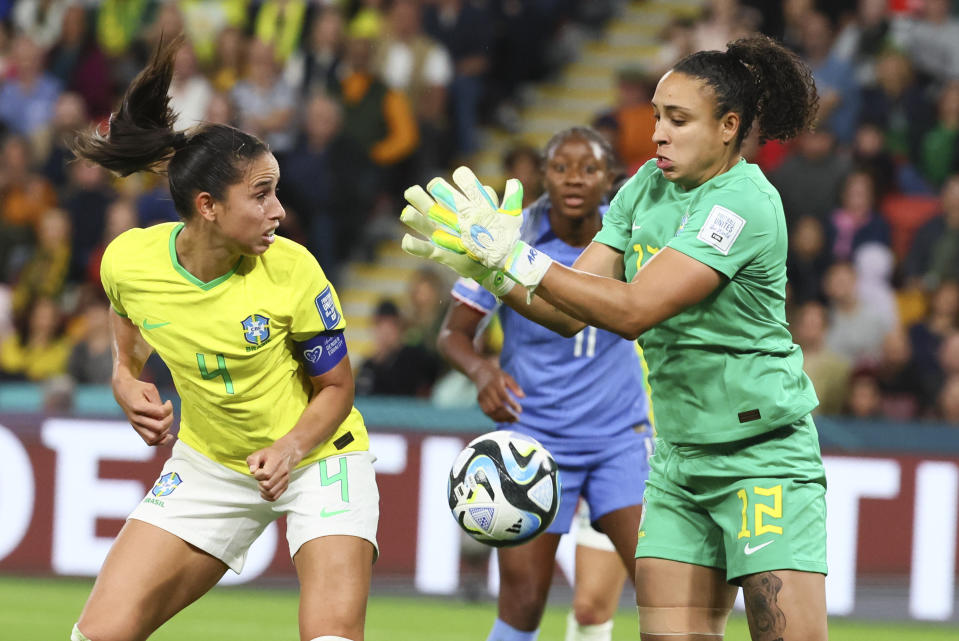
x,y
321,353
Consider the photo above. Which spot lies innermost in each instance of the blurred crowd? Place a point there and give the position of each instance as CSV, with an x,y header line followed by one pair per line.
x,y
356,98
360,98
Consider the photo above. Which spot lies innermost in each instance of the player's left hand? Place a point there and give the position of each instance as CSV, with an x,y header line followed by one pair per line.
x,y
271,467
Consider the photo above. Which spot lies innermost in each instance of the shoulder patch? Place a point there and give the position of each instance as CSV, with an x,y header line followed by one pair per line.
x,y
721,229
326,306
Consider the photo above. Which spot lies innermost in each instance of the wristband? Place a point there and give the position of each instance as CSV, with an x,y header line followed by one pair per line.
x,y
527,266
497,284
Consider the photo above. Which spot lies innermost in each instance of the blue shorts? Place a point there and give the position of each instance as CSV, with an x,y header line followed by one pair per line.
x,y
607,480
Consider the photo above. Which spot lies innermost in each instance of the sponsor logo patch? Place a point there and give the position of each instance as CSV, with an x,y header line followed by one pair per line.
x,y
721,229
326,306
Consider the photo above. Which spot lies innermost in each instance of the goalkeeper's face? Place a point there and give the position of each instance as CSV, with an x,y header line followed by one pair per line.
x,y
577,177
692,143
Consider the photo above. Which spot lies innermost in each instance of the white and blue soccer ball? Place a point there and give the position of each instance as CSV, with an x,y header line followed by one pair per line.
x,y
504,488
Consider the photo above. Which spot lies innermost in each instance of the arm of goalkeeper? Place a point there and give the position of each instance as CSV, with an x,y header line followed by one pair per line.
x,y
441,226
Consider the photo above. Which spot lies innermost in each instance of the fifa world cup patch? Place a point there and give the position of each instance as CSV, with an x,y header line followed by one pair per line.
x,y
166,484
326,306
721,229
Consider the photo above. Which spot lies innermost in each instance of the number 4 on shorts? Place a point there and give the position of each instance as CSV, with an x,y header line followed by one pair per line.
x,y
340,477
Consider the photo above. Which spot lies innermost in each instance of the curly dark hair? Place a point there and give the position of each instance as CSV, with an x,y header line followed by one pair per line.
x,y
760,80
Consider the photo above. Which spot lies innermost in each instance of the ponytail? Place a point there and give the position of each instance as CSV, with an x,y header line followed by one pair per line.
x,y
140,134
760,80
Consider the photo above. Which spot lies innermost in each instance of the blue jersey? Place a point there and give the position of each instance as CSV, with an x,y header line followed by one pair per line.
x,y
583,394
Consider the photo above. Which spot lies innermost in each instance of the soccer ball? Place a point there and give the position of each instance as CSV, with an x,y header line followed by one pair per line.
x,y
504,488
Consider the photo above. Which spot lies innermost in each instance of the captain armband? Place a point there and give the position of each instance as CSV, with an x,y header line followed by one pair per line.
x,y
321,353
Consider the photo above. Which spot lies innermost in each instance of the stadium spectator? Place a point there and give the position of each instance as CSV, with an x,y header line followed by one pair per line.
x,y
863,37
229,59
949,401
45,272
723,21
856,221
869,154
377,121
69,115
77,62
465,29
265,103
809,180
154,202
190,91
927,336
280,23
790,24
855,332
631,119
27,98
221,110
828,370
898,104
395,369
316,66
865,397
425,309
934,254
40,20
120,23
91,361
205,20
931,39
24,196
807,261
677,43
835,79
898,376
39,349
940,146
317,187
85,198
121,215
410,61
523,162
874,264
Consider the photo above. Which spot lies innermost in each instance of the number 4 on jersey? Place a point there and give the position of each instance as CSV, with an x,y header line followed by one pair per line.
x,y
219,371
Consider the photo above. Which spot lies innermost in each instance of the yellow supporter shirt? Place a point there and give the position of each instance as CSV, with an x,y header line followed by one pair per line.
x,y
229,342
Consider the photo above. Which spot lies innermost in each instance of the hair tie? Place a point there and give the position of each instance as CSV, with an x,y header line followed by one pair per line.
x,y
179,141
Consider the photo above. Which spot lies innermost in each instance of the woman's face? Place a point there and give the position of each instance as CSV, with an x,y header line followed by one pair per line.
x,y
577,178
857,195
249,215
692,144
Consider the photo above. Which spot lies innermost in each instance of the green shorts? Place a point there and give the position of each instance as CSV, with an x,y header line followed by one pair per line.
x,y
748,506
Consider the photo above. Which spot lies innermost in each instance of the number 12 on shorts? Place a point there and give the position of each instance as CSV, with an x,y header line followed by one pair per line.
x,y
761,509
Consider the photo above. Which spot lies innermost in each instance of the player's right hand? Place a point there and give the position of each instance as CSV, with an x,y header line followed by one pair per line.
x,y
497,394
146,411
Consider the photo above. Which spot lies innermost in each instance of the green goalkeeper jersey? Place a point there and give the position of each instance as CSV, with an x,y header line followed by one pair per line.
x,y
725,368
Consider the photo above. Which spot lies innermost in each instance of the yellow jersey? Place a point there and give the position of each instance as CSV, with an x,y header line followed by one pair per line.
x,y
229,342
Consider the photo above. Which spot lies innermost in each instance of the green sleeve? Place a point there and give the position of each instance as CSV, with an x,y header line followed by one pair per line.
x,y
728,230
617,227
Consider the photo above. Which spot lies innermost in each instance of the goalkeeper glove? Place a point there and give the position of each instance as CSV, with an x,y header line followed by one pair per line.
x,y
440,225
489,233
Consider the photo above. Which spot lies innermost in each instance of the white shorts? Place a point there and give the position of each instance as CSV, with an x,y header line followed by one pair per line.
x,y
586,535
220,511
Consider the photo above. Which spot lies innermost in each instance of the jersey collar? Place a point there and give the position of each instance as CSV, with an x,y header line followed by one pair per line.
x,y
187,275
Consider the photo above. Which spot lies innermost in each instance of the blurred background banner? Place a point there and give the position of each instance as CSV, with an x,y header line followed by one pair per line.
x,y
68,483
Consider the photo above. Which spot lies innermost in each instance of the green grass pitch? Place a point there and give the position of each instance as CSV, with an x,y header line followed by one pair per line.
x,y
45,609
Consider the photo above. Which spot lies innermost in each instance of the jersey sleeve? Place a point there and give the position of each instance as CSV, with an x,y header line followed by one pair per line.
x,y
317,307
617,229
469,292
108,276
728,230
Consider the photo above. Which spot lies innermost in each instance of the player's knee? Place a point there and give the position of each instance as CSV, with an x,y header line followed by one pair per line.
x,y
589,611
670,621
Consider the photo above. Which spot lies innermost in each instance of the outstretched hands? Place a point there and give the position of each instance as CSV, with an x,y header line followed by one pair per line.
x,y
467,229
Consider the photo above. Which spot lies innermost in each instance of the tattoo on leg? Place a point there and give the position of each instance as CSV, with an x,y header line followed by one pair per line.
x,y
767,622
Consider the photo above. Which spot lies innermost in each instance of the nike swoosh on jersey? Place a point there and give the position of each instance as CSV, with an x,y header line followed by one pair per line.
x,y
148,325
749,550
324,514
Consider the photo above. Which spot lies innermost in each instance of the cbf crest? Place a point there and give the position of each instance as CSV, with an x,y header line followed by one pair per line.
x,y
256,329
166,484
